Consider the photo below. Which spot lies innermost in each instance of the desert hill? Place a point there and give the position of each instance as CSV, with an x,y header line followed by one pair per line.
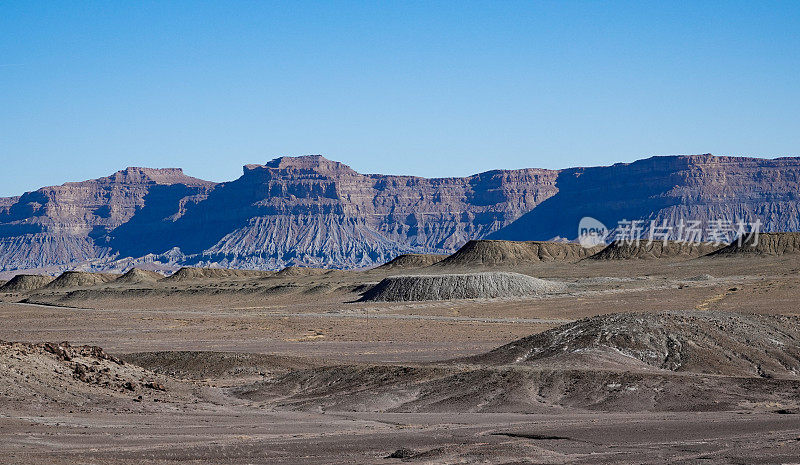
x,y
784,243
69,279
624,250
491,253
26,283
411,261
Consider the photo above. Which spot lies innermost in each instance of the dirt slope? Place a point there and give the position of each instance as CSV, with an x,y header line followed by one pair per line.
x,y
672,361
654,250
411,261
60,374
501,253
780,243
69,279
26,283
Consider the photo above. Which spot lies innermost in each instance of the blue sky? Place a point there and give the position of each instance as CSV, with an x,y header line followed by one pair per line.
x,y
422,88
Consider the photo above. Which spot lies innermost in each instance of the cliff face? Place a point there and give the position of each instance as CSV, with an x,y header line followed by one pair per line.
x,y
313,211
68,224
702,188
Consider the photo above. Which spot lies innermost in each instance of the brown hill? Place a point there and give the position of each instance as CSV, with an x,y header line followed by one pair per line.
x,y
504,253
137,276
26,283
411,261
779,243
195,274
623,250
69,279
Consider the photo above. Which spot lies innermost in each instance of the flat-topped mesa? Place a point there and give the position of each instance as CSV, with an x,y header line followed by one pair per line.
x,y
305,164
137,174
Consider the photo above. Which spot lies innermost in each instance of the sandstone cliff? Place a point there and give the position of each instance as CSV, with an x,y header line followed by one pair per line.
x,y
315,212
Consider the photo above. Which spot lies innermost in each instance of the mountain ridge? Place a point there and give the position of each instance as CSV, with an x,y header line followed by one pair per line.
x,y
312,211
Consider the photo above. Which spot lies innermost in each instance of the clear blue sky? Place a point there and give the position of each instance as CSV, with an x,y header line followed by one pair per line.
x,y
423,88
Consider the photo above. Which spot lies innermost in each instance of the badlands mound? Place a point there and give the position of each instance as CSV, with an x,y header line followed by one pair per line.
x,y
459,286
59,374
490,253
411,261
778,243
26,283
623,250
196,274
69,279
731,344
672,361
137,276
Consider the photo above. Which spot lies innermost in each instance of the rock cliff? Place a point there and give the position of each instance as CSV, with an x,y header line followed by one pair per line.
x,y
316,212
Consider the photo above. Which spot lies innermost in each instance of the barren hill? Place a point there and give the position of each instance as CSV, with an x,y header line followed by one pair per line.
x,y
672,361
26,283
81,279
487,253
412,260
623,250
784,243
459,286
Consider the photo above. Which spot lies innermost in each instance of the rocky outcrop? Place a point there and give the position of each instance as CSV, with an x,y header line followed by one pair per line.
x,y
313,212
69,224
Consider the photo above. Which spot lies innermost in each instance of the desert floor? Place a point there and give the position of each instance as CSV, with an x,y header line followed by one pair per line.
x,y
313,322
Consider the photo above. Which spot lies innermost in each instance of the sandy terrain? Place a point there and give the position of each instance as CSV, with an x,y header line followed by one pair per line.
x,y
293,369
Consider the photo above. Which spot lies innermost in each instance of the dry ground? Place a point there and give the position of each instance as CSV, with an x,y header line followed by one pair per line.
x,y
315,321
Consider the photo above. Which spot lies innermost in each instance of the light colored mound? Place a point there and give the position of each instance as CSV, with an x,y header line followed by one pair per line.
x,y
63,376
488,285
195,274
778,243
69,279
731,344
137,276
26,283
411,261
302,271
654,250
490,253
